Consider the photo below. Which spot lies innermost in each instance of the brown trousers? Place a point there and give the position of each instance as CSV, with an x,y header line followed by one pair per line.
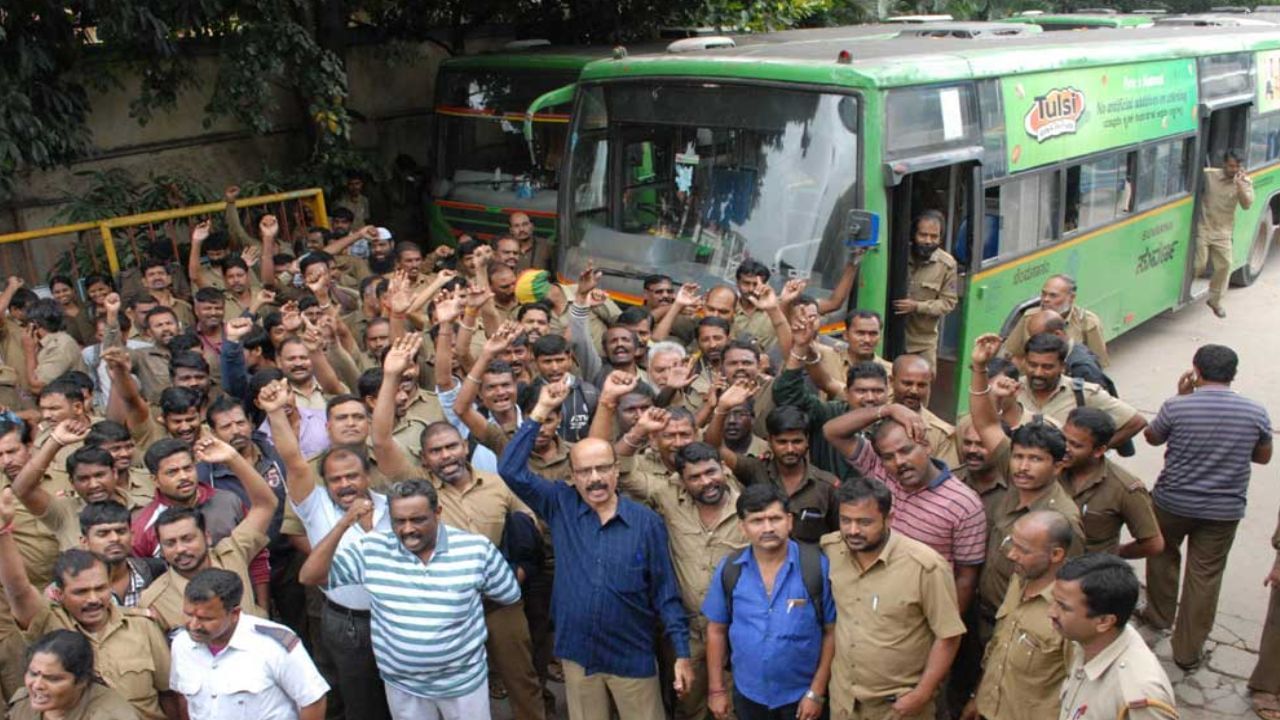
x,y
588,696
1266,674
1208,543
880,709
1219,251
511,656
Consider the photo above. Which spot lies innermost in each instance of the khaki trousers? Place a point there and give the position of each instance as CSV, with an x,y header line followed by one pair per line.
x,y
880,709
1208,543
1266,674
1219,251
588,696
511,656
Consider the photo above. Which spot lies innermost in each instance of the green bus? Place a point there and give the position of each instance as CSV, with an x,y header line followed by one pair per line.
x,y
1076,153
1082,21
485,167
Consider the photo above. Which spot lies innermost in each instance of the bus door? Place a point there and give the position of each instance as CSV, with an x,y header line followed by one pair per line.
x,y
1226,96
953,191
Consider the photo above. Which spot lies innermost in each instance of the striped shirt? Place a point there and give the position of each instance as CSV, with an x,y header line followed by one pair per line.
x,y
428,620
947,515
1211,435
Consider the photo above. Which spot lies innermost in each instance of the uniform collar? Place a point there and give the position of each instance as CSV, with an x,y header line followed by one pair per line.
x,y
1101,662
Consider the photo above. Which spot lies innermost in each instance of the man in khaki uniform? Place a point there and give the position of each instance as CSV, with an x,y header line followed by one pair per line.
x,y
862,331
931,286
1108,496
898,626
702,528
471,500
1049,393
1264,684
150,364
1221,190
1027,659
979,470
1113,674
130,651
48,350
912,384
749,319
184,542
1083,326
93,477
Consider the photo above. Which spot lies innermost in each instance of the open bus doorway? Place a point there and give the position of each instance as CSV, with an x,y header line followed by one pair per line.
x,y
950,190
1224,129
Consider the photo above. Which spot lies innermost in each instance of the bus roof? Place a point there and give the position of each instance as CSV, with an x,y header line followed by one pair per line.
x,y
1084,20
880,61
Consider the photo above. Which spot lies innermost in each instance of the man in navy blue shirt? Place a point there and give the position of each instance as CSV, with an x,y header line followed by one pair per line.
x,y
781,645
614,579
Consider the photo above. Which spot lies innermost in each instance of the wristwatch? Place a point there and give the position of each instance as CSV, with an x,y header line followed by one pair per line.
x,y
815,697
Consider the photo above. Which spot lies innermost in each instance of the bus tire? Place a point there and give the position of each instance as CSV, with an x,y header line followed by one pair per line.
x,y
1258,253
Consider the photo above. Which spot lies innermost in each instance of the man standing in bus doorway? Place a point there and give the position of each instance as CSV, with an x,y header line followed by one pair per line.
x,y
931,287
1224,189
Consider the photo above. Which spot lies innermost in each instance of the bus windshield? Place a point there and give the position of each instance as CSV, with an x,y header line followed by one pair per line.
x,y
691,179
483,156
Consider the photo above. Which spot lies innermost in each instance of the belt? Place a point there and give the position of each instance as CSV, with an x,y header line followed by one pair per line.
x,y
346,610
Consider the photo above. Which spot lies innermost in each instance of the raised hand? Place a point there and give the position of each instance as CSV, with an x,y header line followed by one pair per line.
x,y
588,280
793,289
448,308
111,303
14,283
501,340
736,394
687,295
211,450
200,232
117,360
266,296
652,420
683,375
402,354
70,431
291,317
618,383
985,347
231,193
1004,387
442,252
251,255
765,298
478,295
552,396
804,331
358,510
268,227
273,396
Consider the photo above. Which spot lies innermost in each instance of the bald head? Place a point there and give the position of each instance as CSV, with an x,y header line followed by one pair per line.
x,y
1050,525
912,381
1046,321
911,364
595,472
721,301
1058,293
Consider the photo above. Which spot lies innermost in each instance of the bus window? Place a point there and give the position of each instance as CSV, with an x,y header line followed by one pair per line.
x,y
1163,172
923,118
1095,193
1022,214
1264,140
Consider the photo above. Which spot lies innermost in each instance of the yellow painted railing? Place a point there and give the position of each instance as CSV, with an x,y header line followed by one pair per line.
x,y
311,197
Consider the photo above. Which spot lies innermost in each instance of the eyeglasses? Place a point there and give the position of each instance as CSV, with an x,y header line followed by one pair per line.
x,y
587,473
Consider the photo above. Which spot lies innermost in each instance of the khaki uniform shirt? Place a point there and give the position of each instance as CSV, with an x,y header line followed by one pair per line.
x,y
482,508
992,496
1083,326
14,354
813,507
755,325
696,549
130,653
151,365
1026,660
942,438
1063,400
38,548
837,363
99,702
1110,499
887,617
1125,676
58,353
933,285
1218,202
552,467
310,396
142,487
994,581
234,552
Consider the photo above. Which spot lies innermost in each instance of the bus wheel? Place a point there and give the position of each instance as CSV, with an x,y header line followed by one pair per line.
x,y
1252,268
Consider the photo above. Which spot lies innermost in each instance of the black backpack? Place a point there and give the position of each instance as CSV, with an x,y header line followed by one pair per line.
x,y
810,571
1077,387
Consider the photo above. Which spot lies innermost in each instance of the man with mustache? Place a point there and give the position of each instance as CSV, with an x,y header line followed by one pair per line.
x,y
978,468
810,492
912,384
862,331
1032,454
701,520
345,637
1050,393
105,532
1027,659
770,680
151,364
428,583
554,361
620,344
470,500
933,506
194,526
1109,497
230,424
59,401
179,408
130,650
227,663
605,628
661,433
931,286
1112,672
897,623
659,299
132,478
1083,326
757,313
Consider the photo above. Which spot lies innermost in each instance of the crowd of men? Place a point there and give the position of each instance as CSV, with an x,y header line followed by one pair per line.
x,y
335,475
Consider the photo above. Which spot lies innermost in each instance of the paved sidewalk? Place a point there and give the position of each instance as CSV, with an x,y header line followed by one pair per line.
x,y
1218,689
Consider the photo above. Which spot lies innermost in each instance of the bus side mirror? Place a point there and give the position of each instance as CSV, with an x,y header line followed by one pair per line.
x,y
861,229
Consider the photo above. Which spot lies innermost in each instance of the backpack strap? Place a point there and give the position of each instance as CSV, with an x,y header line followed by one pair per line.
x,y
729,577
1077,387
811,572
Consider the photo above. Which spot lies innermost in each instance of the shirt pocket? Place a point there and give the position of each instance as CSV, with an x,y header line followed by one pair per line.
x,y
1036,658
799,621
240,691
929,289
190,685
133,677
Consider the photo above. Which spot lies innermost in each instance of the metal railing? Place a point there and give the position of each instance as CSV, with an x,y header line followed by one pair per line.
x,y
291,208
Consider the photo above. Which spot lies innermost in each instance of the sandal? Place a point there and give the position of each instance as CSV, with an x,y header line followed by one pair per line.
x,y
1266,705
497,690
